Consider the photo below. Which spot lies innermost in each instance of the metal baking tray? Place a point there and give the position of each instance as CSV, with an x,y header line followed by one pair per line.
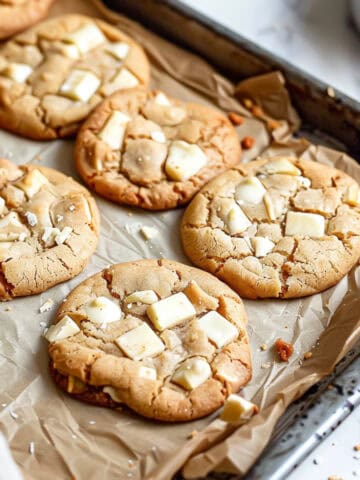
x,y
329,118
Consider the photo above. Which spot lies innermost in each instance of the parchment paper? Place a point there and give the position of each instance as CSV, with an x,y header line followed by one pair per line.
x,y
73,440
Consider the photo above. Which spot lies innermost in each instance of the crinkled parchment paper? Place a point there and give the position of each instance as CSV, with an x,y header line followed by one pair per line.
x,y
73,440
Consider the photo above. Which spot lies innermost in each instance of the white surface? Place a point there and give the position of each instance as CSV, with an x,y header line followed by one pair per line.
x,y
314,35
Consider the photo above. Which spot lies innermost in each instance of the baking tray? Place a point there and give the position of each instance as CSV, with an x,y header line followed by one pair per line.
x,y
328,117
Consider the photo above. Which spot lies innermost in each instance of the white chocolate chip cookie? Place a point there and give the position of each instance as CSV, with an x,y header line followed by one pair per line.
x,y
167,340
146,149
49,227
54,74
279,227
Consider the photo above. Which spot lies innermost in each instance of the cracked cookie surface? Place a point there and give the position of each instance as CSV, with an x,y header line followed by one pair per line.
x,y
54,74
146,334
17,15
279,227
49,226
149,150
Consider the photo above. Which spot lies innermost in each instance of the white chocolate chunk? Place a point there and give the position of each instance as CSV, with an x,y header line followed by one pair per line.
x,y
49,235
158,136
80,85
141,342
142,296
2,205
352,195
184,160
162,99
122,80
219,330
170,311
192,373
65,328
251,191
114,130
68,50
47,306
269,206
86,37
149,232
62,236
31,218
236,220
281,165
19,72
12,229
112,394
262,246
237,409
304,182
147,372
102,310
118,50
305,224
32,182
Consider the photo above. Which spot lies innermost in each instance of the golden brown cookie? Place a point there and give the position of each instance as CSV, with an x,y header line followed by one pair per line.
x,y
17,15
49,226
167,340
149,150
54,74
279,227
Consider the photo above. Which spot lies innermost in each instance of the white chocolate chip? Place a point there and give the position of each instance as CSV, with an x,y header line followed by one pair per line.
x,y
68,50
142,296
158,136
31,218
304,182
2,205
305,224
49,235
22,236
162,99
171,311
122,80
192,373
149,232
250,191
19,72
32,182
65,328
47,306
219,330
112,394
113,131
80,85
236,220
118,49
102,310
147,372
352,195
269,206
262,246
237,410
141,342
86,37
280,165
62,236
184,160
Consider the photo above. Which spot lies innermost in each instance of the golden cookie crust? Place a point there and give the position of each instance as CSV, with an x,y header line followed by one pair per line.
x,y
147,185
36,203
297,265
87,362
36,108
18,15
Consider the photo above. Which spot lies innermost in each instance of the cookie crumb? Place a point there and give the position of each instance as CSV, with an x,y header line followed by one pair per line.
x,y
149,232
247,142
331,92
257,111
284,349
317,461
330,387
307,355
47,306
357,447
193,434
266,365
235,118
334,477
8,309
263,347
129,214
32,448
248,103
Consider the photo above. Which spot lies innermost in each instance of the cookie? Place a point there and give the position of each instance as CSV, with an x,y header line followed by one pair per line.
x,y
146,149
279,227
167,340
54,74
49,226
17,15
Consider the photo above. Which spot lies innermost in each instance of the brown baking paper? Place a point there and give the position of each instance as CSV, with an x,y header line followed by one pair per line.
x,y
74,440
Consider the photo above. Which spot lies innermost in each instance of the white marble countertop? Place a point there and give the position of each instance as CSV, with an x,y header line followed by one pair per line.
x,y
315,35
